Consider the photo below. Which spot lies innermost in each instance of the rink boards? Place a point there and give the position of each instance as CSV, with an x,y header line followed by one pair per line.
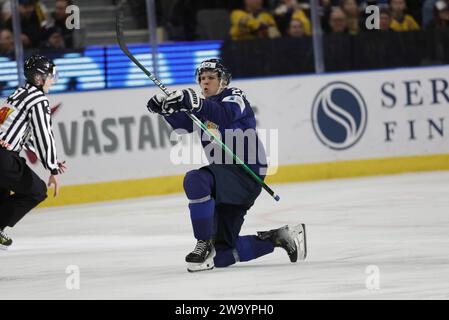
x,y
314,127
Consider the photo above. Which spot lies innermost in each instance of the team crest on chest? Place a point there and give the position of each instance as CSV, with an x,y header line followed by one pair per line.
x,y
214,128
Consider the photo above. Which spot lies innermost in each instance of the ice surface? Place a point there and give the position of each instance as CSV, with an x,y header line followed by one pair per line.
x,y
135,249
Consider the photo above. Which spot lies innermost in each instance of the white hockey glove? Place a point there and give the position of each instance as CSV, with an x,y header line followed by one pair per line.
x,y
157,104
184,100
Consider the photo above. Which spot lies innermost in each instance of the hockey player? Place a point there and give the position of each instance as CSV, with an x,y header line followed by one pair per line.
x,y
25,122
221,193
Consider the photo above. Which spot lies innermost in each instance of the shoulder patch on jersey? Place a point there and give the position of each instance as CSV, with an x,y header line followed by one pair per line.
x,y
5,112
236,99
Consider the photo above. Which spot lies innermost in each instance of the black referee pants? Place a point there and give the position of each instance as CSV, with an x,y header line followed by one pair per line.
x,y
29,190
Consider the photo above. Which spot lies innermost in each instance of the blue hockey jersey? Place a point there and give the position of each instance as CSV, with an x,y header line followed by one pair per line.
x,y
230,114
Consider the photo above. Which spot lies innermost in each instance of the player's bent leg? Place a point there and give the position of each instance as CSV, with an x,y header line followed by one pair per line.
x,y
225,257
247,248
291,238
198,186
231,247
252,247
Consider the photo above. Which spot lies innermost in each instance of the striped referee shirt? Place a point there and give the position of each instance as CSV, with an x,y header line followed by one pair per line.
x,y
25,122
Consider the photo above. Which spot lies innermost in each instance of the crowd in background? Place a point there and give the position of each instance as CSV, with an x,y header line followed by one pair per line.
x,y
291,18
44,27
41,27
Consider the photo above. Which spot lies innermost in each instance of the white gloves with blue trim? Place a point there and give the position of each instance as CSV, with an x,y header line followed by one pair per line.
x,y
184,100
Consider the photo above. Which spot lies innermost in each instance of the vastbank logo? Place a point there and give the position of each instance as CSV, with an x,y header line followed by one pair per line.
x,y
339,115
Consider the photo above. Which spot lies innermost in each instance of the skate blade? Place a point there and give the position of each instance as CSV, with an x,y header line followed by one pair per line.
x,y
197,267
298,233
3,248
206,265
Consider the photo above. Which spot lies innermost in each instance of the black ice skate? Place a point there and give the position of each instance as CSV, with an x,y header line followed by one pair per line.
x,y
290,238
202,257
5,241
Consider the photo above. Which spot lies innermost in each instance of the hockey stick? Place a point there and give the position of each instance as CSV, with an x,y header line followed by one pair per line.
x,y
157,82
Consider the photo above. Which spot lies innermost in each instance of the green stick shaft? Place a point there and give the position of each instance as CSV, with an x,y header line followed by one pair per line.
x,y
234,156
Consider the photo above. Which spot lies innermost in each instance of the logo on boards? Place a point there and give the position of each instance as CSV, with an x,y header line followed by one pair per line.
x,y
339,115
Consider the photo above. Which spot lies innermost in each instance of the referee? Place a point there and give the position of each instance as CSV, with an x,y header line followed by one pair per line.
x,y
25,123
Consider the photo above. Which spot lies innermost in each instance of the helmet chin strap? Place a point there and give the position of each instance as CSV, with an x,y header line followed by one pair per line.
x,y
221,87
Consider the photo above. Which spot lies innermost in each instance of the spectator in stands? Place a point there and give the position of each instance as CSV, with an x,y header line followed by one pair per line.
x,y
252,22
385,20
31,20
328,6
59,22
351,9
414,8
296,29
400,20
290,10
337,21
441,14
6,42
53,39
40,8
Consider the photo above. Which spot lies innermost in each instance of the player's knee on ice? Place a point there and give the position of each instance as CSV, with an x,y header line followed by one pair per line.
x,y
198,184
247,248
